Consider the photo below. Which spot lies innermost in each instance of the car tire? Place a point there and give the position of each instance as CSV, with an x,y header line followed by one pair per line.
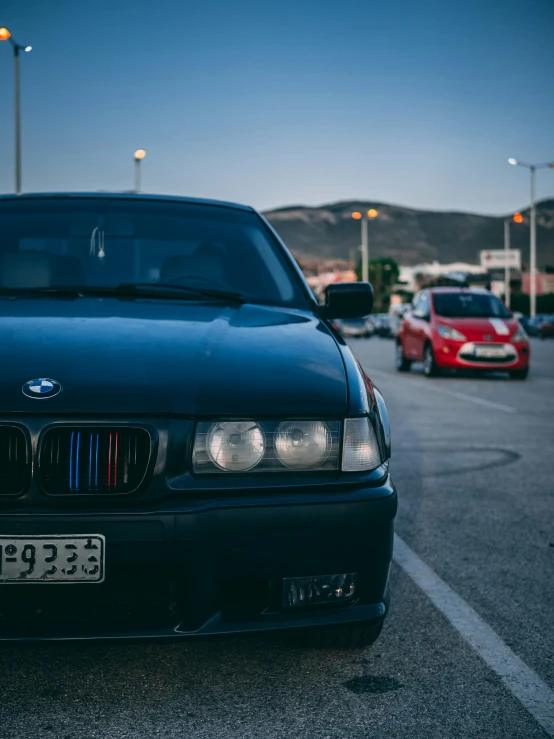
x,y
430,368
343,637
400,362
519,374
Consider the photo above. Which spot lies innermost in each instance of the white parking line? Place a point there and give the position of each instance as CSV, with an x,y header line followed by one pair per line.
x,y
523,683
451,393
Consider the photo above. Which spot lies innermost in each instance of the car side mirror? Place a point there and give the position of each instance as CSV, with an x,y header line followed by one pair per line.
x,y
348,300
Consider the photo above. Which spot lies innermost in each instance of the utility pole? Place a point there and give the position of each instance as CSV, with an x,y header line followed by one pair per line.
x,y
5,35
370,216
506,267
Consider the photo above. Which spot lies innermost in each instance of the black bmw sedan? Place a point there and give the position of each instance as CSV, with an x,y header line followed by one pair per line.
x,y
187,446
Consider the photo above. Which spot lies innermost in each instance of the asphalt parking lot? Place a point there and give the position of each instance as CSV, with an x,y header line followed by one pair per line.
x,y
473,462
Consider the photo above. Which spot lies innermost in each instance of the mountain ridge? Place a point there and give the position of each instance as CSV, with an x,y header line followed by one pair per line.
x,y
408,235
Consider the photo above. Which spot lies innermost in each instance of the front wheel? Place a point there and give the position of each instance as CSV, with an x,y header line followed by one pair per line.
x,y
343,637
401,363
520,374
430,368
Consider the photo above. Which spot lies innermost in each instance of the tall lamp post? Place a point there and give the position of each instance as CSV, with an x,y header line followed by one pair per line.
x,y
516,218
369,216
139,156
533,230
5,35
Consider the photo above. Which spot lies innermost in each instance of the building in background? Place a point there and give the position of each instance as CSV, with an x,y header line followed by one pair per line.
x,y
544,283
422,275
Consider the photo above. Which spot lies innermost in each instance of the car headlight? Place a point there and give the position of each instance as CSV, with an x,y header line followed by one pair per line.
x,y
519,335
235,446
360,449
266,446
447,332
385,424
302,444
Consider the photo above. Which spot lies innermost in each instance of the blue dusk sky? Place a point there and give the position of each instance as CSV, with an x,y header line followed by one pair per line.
x,y
276,103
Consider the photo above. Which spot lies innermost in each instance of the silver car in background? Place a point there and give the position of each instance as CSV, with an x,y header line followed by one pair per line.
x,y
355,328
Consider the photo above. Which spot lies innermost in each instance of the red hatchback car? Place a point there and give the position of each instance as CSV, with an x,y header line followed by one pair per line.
x,y
460,328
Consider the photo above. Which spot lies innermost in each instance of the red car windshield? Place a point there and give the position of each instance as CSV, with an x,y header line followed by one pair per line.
x,y
469,305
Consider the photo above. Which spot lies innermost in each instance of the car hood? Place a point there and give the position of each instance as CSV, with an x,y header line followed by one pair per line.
x,y
169,357
483,329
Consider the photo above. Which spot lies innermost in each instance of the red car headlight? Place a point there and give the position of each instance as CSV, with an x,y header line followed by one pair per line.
x,y
519,335
447,332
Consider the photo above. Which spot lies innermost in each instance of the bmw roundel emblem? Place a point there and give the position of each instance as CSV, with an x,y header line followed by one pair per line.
x,y
41,388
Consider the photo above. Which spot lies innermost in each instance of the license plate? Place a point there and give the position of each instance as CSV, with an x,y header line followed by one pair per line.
x,y
490,351
52,558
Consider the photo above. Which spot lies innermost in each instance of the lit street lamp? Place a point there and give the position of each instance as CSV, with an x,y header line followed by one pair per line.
x,y
516,218
5,35
533,230
139,156
369,216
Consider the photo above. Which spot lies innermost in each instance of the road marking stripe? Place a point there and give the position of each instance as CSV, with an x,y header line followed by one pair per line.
x,y
523,682
451,393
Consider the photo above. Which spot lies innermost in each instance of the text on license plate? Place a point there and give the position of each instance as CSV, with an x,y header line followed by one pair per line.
x,y
490,351
77,558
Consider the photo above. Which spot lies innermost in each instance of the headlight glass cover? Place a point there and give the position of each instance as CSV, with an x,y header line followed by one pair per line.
x,y
385,424
235,446
519,335
302,444
360,449
266,446
447,332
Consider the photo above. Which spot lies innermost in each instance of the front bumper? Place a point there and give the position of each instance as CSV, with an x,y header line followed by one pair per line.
x,y
210,570
457,355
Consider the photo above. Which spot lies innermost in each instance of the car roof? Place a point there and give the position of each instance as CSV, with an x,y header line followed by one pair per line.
x,y
122,196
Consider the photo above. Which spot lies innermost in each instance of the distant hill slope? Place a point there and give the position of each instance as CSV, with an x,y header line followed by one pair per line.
x,y
407,235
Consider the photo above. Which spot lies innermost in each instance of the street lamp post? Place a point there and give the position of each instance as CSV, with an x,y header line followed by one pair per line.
x,y
516,218
506,268
357,216
533,231
139,156
369,216
5,35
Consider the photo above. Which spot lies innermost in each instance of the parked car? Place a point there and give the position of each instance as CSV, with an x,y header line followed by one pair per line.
x,y
187,447
534,324
547,327
395,317
456,328
381,323
355,328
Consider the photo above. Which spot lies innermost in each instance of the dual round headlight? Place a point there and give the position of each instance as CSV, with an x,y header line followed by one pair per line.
x,y
302,444
235,446
238,446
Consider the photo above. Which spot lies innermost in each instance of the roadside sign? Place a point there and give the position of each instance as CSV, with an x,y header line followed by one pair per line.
x,y
500,258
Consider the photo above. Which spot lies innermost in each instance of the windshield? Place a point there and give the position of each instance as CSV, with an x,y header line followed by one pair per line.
x,y
101,242
469,305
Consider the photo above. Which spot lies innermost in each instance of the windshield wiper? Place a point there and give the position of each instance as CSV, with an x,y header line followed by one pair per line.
x,y
168,287
125,289
69,291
